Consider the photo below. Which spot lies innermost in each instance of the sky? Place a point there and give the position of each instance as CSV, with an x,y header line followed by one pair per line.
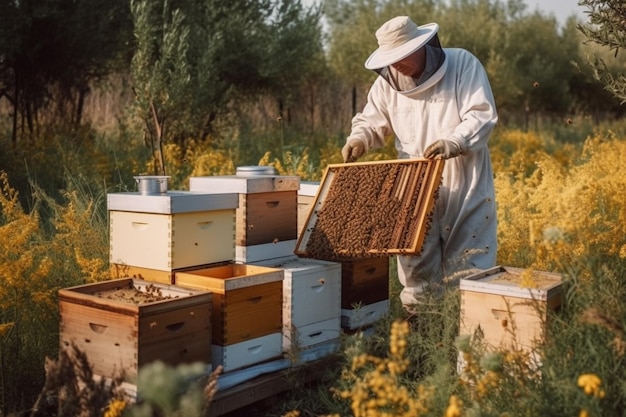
x,y
561,9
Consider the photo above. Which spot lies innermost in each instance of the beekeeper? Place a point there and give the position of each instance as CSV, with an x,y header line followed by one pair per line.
x,y
438,103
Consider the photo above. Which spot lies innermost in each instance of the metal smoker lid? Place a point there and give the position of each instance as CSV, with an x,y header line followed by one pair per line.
x,y
252,170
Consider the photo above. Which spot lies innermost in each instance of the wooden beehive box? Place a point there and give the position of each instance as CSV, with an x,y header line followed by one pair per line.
x,y
509,306
371,209
364,281
120,335
171,231
266,217
247,300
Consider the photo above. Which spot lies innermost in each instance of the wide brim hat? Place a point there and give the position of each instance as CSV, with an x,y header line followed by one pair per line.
x,y
397,39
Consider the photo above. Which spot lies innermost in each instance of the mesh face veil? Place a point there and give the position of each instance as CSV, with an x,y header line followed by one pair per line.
x,y
435,57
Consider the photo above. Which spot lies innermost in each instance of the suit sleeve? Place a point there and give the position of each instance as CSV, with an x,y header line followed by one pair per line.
x,y
477,108
372,124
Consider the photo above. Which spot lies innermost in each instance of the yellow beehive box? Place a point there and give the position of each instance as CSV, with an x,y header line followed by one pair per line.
x,y
171,241
171,231
124,324
509,306
247,300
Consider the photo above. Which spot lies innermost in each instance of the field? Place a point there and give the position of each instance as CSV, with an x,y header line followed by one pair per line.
x,y
560,206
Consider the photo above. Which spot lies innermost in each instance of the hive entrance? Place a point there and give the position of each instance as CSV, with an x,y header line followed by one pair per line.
x,y
371,209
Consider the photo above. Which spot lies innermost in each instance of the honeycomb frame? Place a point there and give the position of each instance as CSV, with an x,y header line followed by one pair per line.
x,y
369,209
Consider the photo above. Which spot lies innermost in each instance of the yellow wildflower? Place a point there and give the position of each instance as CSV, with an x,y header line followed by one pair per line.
x,y
454,407
591,385
115,408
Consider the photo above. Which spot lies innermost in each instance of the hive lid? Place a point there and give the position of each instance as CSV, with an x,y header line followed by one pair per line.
x,y
95,295
309,188
253,170
369,209
514,282
171,202
244,184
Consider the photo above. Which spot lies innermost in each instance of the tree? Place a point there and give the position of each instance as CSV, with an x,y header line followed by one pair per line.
x,y
195,59
606,27
51,51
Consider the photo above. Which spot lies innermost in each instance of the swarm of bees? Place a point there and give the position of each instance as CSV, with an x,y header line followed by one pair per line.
x,y
135,294
372,209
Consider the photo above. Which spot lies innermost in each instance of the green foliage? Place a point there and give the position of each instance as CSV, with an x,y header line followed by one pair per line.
x,y
193,60
170,391
606,28
52,51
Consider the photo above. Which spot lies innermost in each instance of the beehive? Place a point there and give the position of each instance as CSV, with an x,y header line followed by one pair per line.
x,y
247,353
266,217
509,306
306,199
371,209
247,300
311,302
121,336
171,231
364,315
364,281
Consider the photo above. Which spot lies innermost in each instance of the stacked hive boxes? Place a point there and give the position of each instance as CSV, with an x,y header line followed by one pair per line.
x,y
364,281
311,303
119,337
507,308
266,234
152,236
266,217
246,314
365,296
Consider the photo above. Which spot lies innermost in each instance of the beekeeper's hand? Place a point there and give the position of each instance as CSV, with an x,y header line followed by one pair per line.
x,y
353,150
442,149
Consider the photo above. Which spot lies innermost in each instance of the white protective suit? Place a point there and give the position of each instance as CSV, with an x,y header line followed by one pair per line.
x,y
456,103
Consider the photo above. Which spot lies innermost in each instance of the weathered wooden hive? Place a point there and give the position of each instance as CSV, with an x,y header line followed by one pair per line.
x,y
509,306
120,335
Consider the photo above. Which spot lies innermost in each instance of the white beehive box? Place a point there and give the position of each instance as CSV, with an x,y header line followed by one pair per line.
x,y
364,315
306,200
311,302
266,217
303,337
509,305
170,231
247,353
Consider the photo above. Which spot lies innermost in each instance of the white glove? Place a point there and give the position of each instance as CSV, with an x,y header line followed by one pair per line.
x,y
442,149
353,150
